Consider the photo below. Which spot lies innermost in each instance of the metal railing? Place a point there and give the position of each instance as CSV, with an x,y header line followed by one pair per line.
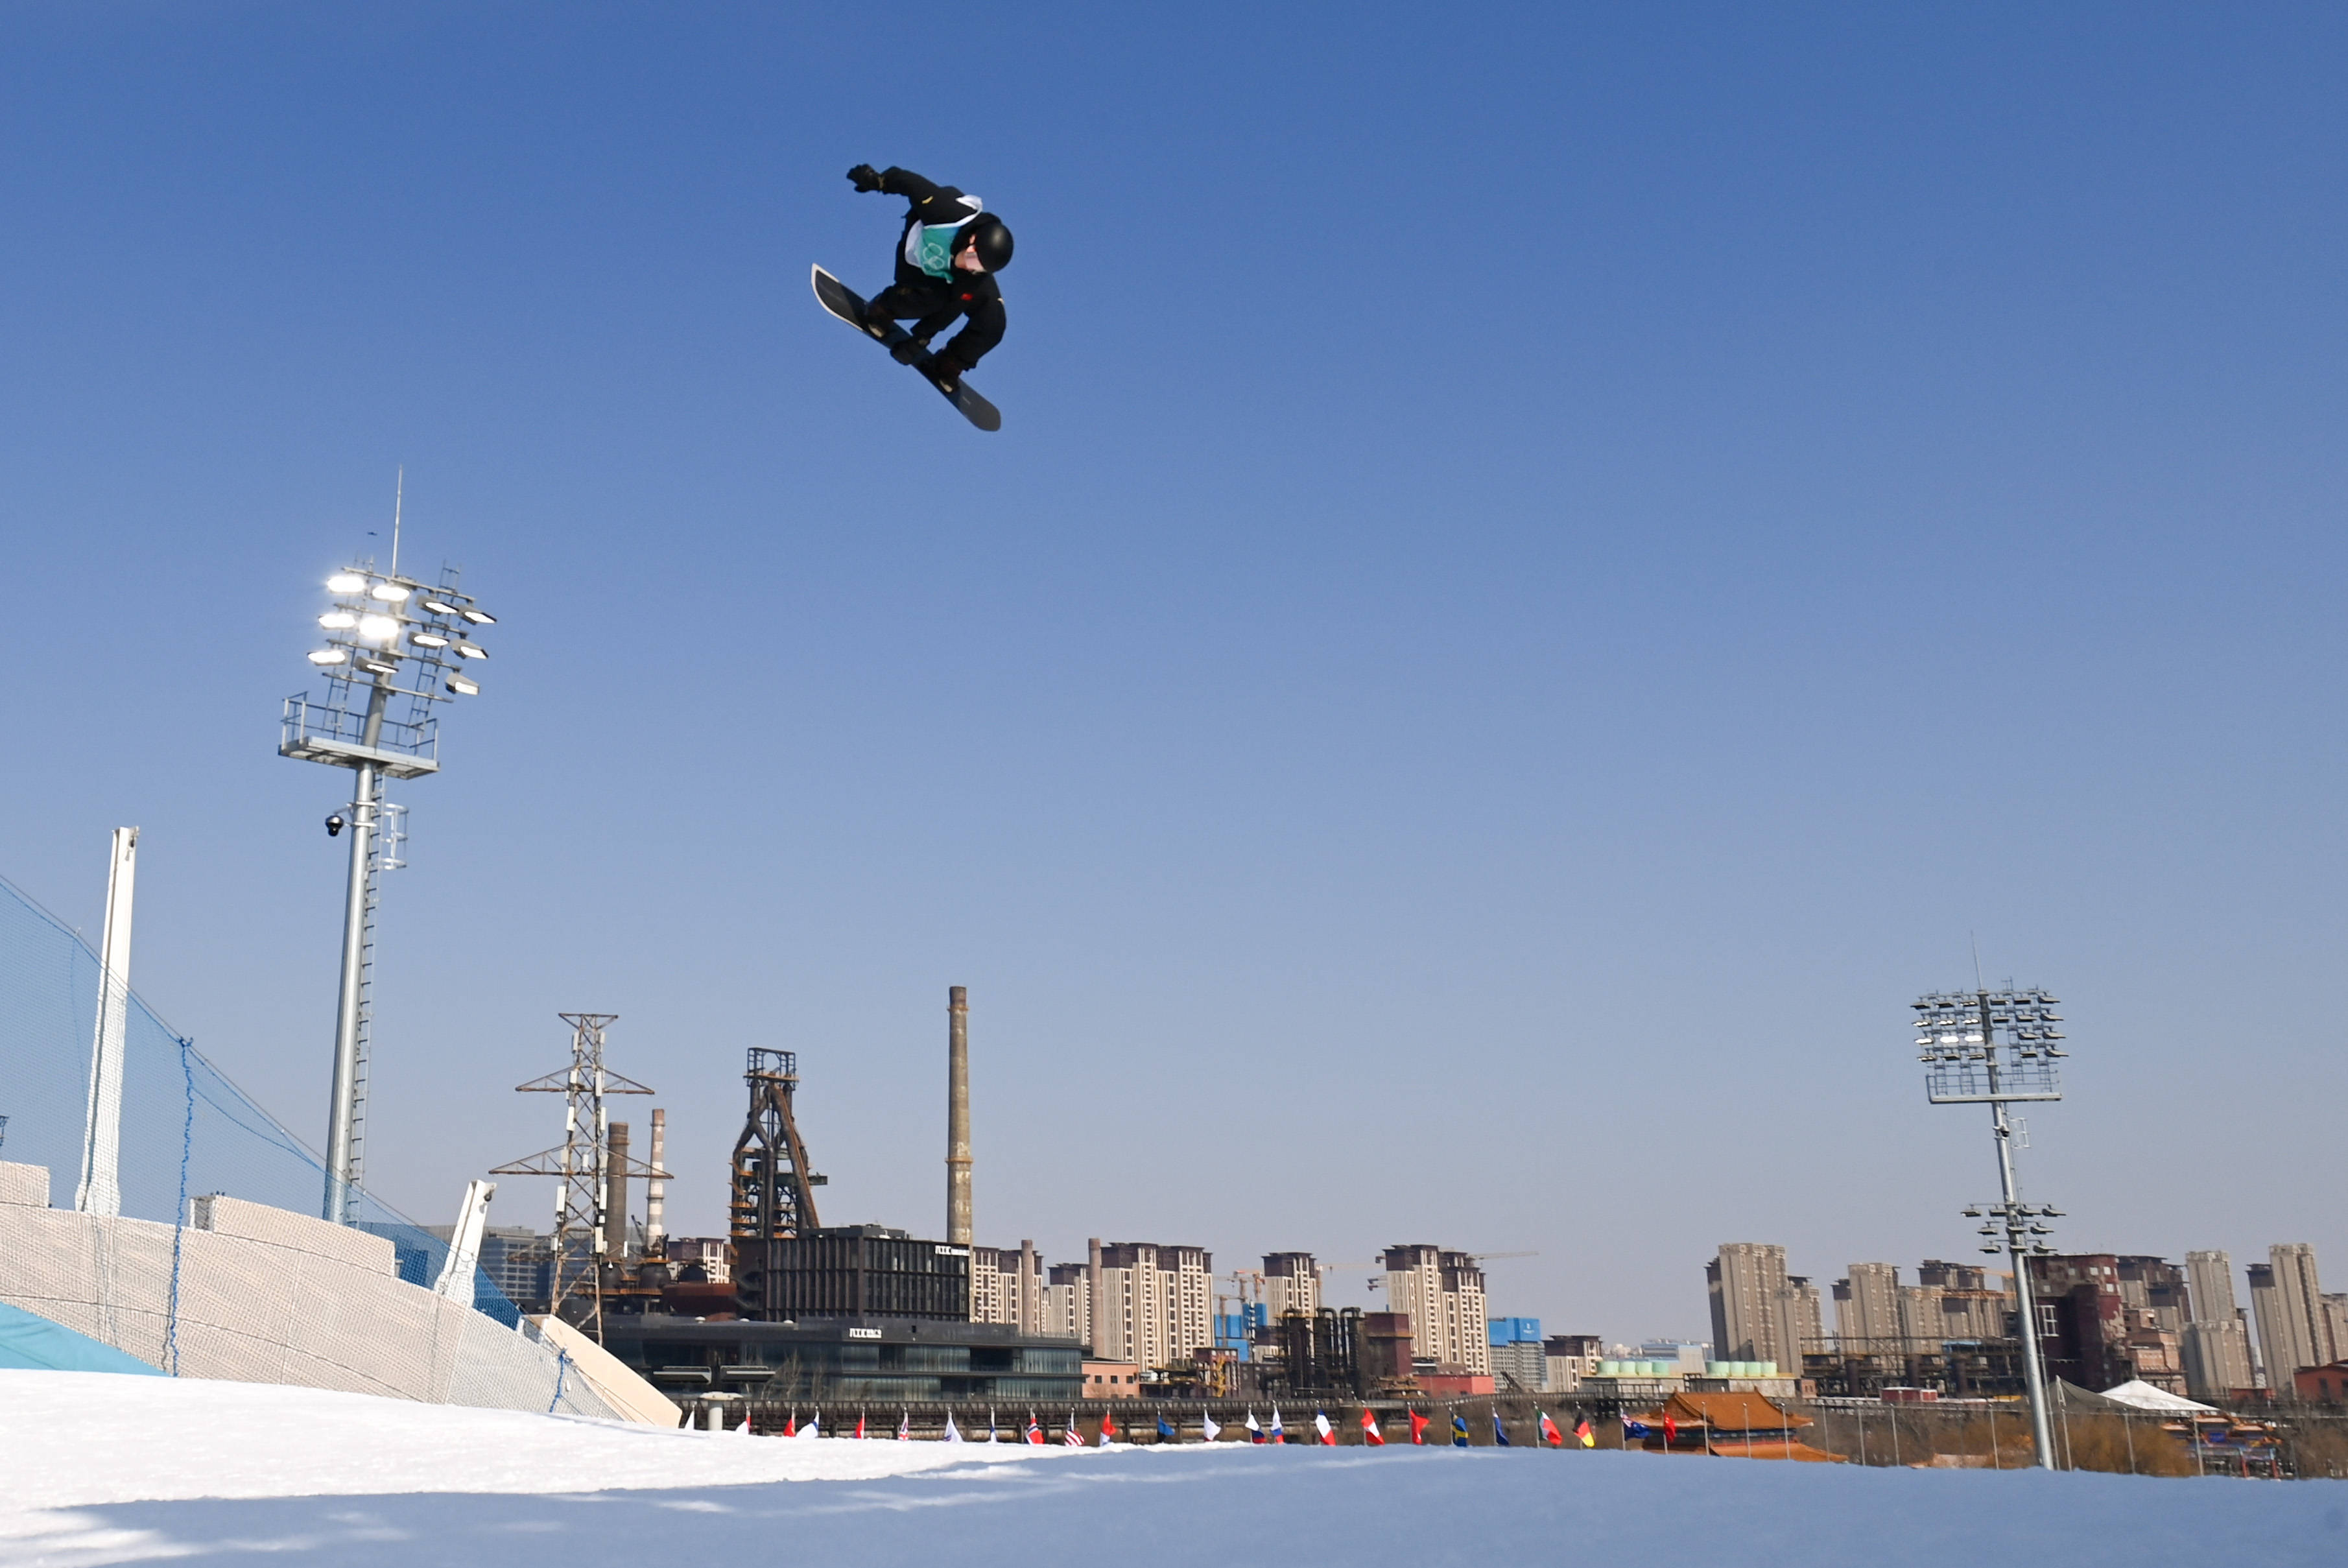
x,y
306,721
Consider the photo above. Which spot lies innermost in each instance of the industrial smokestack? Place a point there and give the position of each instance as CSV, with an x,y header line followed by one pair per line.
x,y
958,1228
657,1192
615,1217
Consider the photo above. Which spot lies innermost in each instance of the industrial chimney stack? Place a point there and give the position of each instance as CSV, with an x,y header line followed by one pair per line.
x,y
656,1192
958,1230
615,1207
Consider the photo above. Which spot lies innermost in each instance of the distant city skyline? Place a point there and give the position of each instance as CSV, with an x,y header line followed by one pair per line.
x,y
2105,1318
2295,1312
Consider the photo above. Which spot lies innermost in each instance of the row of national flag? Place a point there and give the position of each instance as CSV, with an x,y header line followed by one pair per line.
x,y
1323,1432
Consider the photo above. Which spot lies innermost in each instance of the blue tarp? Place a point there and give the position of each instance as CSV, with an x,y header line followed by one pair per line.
x,y
31,1342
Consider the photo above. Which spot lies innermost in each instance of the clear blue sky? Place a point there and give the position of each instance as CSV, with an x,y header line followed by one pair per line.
x,y
1545,567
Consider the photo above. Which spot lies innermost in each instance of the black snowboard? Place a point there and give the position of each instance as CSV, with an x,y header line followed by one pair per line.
x,y
849,305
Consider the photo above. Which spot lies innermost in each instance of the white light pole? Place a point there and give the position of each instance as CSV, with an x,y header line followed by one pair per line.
x,y
387,636
1993,1048
99,1190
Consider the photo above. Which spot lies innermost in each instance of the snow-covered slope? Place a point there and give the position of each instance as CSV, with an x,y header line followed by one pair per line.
x,y
244,1474
71,1438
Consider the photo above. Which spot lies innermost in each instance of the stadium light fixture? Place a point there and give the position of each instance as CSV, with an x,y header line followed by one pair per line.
x,y
1995,1048
371,721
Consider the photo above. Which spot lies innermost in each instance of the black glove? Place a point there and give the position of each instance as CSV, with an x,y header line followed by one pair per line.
x,y
864,177
912,349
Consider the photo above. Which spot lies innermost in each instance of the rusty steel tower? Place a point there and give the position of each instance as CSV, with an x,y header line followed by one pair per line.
x,y
774,1185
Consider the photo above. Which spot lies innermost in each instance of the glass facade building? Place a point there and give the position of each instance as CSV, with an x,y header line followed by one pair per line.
x,y
869,1360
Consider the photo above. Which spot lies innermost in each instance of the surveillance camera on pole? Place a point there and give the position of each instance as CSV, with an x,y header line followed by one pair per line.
x,y
394,647
1994,1048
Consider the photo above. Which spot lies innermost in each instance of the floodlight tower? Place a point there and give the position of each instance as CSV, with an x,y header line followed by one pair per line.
x,y
382,630
1994,1048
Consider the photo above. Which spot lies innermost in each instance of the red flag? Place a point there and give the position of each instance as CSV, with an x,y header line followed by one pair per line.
x,y
1588,1438
791,1425
1370,1433
1671,1430
1550,1434
1107,1428
859,1423
1418,1426
1035,1431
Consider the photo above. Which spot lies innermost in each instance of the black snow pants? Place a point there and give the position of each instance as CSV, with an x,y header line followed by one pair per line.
x,y
933,305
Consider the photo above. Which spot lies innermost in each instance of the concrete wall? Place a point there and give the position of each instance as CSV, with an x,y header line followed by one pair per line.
x,y
267,1295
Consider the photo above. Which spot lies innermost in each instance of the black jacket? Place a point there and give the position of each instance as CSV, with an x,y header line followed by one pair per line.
x,y
944,301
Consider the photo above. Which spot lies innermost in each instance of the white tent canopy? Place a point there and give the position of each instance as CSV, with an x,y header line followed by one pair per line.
x,y
2137,1395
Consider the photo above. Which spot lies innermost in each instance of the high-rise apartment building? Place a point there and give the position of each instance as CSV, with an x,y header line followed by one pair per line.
x,y
1068,1301
2274,1339
1006,1285
1951,1276
1444,1293
1292,1283
1970,1307
2217,1358
521,1261
2335,1316
1755,1307
2294,1328
1566,1359
2158,1287
1919,1317
1152,1304
1875,1314
1800,1308
2209,1276
2216,1342
1519,1363
1866,1309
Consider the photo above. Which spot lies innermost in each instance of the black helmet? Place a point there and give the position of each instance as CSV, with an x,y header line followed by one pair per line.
x,y
991,241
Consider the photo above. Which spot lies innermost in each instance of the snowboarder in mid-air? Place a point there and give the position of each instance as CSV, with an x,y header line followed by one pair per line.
x,y
946,262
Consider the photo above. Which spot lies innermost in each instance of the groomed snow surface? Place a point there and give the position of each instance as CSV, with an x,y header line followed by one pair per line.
x,y
98,1469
